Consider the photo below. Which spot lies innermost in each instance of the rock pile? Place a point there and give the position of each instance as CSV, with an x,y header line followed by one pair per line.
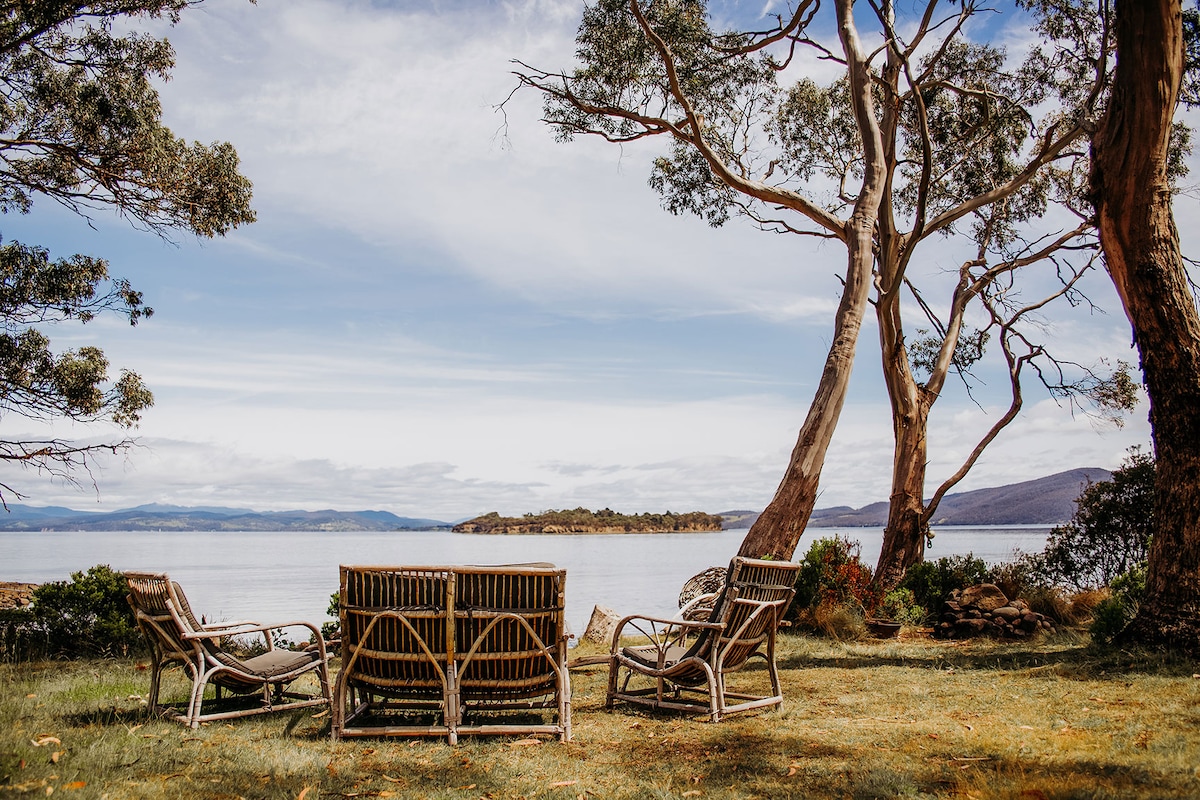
x,y
16,595
984,610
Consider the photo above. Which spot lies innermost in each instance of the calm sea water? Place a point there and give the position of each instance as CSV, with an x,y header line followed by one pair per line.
x,y
276,577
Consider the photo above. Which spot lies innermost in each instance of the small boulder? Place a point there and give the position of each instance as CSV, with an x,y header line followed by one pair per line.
x,y
1009,613
983,596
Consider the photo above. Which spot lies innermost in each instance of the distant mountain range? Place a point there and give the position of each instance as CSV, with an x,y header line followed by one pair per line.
x,y
1045,501
155,517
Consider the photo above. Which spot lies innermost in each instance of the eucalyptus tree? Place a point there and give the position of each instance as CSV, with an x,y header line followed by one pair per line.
x,y
80,124
658,69
929,136
1131,189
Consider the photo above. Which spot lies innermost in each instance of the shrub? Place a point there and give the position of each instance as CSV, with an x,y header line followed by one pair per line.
x,y
1114,613
1024,576
835,620
832,574
932,581
901,605
88,616
331,631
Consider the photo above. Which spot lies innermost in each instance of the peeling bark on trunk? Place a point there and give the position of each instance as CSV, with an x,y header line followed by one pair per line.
x,y
1133,203
904,536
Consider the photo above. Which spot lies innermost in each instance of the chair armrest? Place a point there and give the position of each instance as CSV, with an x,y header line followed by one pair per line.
x,y
660,631
230,624
237,629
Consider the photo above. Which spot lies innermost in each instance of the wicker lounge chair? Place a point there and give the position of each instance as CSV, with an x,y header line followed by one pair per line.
x,y
452,650
175,636
684,665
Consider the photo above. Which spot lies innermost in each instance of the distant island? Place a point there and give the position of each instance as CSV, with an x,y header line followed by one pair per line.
x,y
581,520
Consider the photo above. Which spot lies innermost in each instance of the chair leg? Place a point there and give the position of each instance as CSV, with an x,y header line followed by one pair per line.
x,y
155,679
614,667
198,683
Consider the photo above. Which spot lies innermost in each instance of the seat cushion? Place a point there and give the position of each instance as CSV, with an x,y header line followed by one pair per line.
x,y
648,655
278,662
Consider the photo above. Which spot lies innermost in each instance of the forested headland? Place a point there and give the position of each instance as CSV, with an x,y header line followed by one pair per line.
x,y
582,520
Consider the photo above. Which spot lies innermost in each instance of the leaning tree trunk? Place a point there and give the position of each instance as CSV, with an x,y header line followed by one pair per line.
x,y
1141,246
778,529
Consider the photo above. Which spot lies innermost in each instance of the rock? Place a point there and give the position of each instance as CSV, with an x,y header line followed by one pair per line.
x,y
970,627
1009,613
983,596
601,626
16,595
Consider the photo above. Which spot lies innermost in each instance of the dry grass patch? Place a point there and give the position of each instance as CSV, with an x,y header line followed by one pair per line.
x,y
897,718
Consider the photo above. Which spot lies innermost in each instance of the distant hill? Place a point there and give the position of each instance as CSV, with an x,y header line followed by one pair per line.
x,y
155,517
1044,501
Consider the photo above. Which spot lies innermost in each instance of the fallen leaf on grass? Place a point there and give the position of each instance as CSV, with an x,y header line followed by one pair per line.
x,y
31,696
44,739
472,786
390,779
524,742
564,783
693,793
793,769
321,714
303,793
55,756
74,785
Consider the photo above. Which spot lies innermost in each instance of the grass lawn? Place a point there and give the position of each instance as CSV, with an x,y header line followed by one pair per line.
x,y
895,718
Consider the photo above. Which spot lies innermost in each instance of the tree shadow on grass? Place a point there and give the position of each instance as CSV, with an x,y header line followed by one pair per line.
x,y
1081,662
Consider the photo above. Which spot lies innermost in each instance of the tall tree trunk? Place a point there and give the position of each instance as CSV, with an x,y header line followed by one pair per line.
x,y
1133,203
904,536
779,528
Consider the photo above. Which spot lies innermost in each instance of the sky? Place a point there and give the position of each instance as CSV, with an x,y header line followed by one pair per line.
x,y
441,311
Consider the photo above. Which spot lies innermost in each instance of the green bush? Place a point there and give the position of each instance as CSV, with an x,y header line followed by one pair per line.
x,y
332,630
1114,613
932,581
901,605
88,616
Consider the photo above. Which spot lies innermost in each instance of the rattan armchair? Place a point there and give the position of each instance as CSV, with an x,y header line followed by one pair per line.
x,y
176,636
685,665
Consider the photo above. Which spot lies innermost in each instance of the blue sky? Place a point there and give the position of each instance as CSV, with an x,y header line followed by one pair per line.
x,y
437,318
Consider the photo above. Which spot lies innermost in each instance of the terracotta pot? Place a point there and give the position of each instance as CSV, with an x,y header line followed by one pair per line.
x,y
883,628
